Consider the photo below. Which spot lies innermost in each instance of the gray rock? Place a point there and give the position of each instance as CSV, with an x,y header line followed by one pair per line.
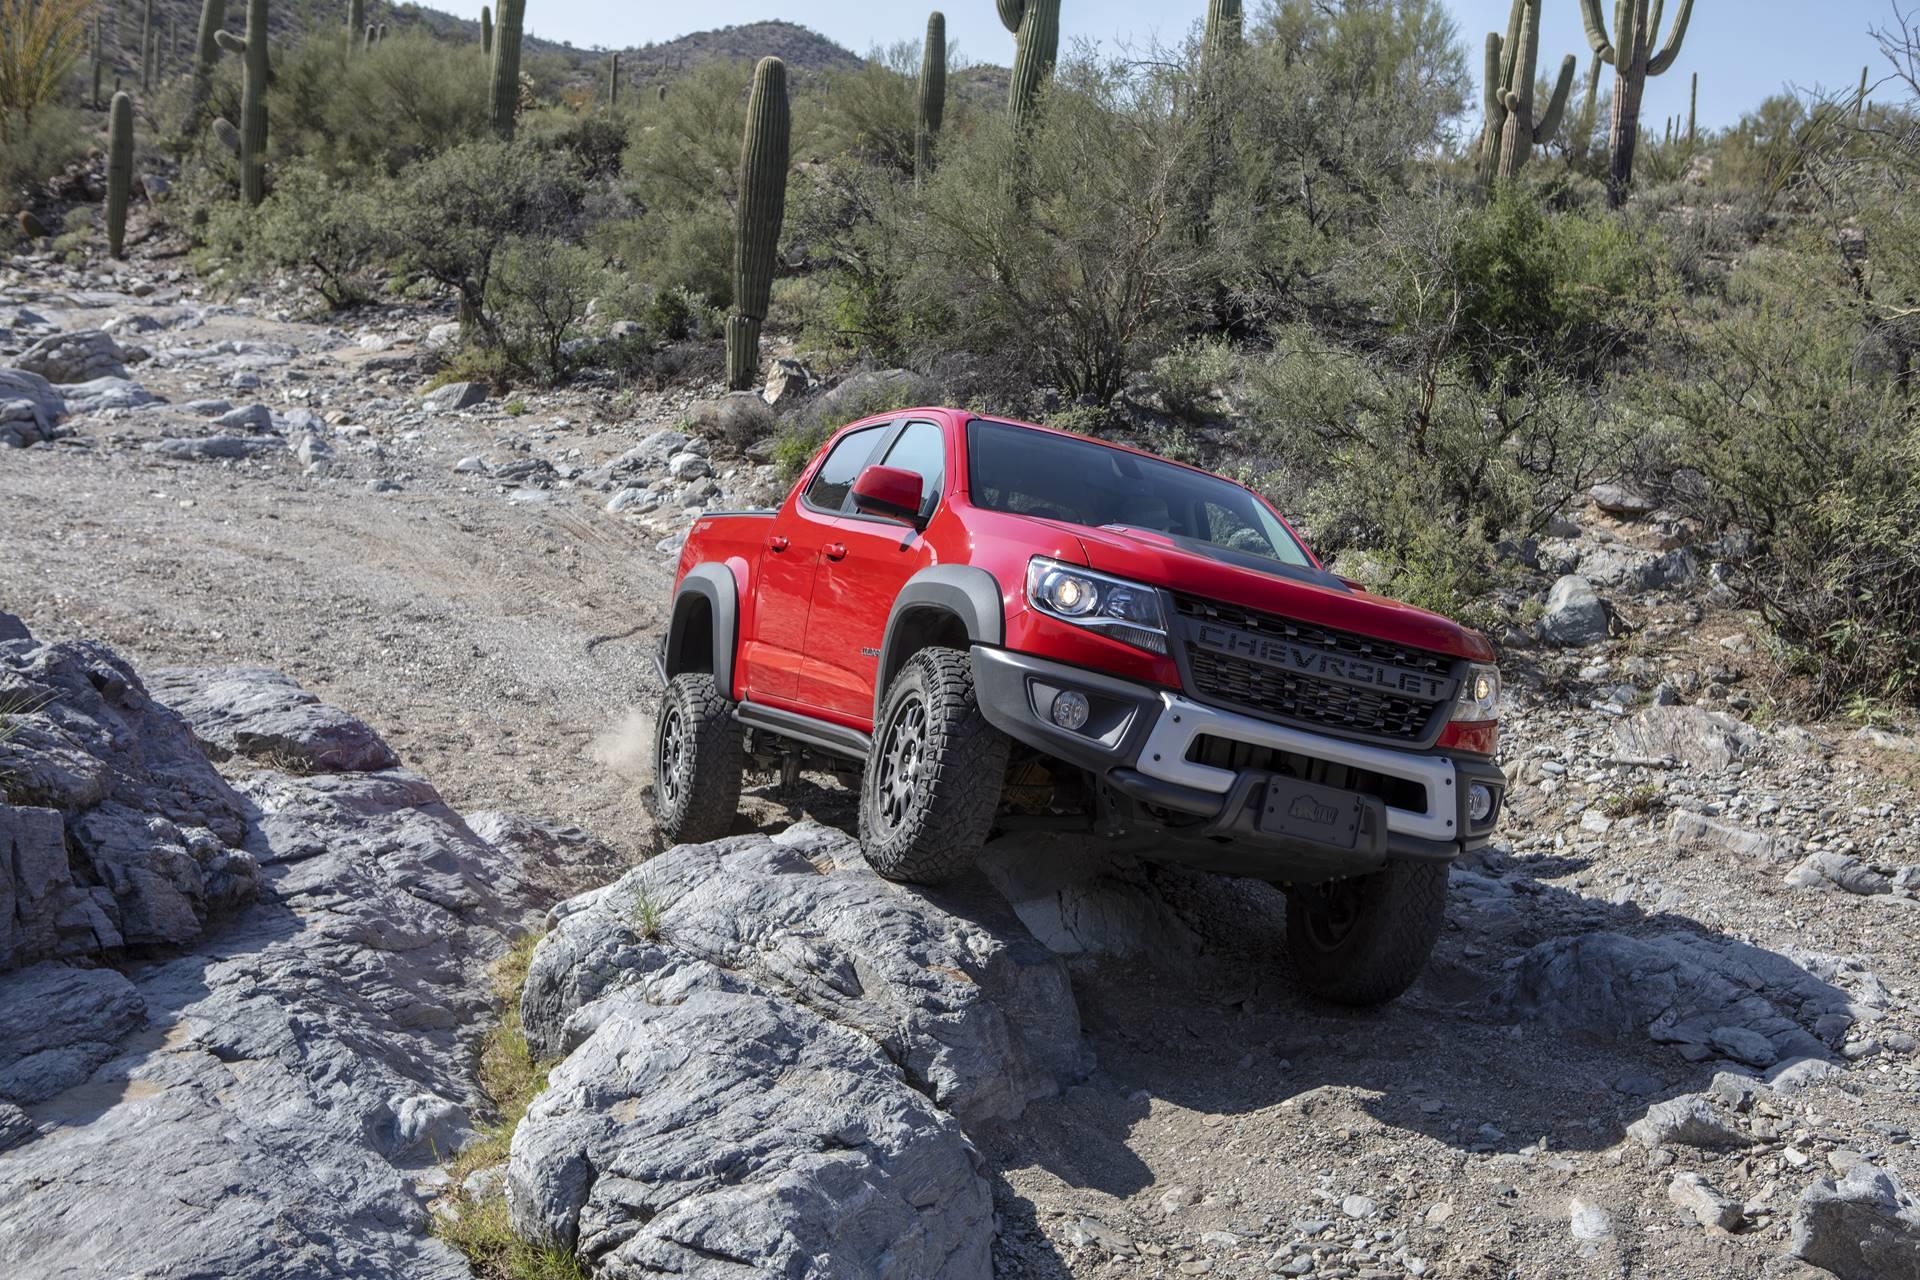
x,y
1688,828
1588,1221
150,827
1829,870
314,453
1679,989
80,356
634,502
11,628
454,395
653,451
1616,500
204,448
827,1153
252,417
61,1024
16,1126
870,391
1743,1045
1694,736
36,884
978,1015
1903,743
1691,1194
263,715
29,408
208,408
106,393
1688,1121
1575,615
473,465
688,466
788,382
1865,1227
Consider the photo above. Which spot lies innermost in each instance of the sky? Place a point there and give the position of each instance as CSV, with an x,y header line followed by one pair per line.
x,y
1743,49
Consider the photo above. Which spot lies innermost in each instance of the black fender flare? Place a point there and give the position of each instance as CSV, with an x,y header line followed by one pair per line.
x,y
714,585
962,591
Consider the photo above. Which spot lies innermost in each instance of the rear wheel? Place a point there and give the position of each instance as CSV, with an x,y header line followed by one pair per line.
x,y
1363,941
932,781
697,761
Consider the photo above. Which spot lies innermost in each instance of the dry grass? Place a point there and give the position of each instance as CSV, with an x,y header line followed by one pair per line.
x,y
40,40
479,1226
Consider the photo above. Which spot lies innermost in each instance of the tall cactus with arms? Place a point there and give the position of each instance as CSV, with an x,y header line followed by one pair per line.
x,y
1635,25
1512,132
252,48
119,172
1036,32
760,209
206,52
933,95
505,97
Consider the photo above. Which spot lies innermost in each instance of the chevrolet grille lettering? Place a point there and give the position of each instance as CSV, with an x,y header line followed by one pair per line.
x,y
1307,660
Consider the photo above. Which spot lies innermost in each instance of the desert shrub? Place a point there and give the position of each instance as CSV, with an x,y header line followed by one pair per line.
x,y
596,141
537,294
734,421
868,114
328,235
55,138
1776,428
1193,375
860,226
862,395
1060,256
450,216
379,110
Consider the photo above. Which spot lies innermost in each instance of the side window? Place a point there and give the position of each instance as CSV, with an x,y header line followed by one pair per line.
x,y
922,450
834,480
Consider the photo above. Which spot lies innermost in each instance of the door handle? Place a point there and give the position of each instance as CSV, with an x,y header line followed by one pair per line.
x,y
835,550
779,542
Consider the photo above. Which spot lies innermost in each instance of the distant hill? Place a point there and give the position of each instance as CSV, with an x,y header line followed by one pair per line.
x,y
802,50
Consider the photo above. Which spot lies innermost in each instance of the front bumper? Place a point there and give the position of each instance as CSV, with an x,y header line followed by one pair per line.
x,y
1139,740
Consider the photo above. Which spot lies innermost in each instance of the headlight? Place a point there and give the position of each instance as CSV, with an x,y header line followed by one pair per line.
x,y
1479,695
1127,611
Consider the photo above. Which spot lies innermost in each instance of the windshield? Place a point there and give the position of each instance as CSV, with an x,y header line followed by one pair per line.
x,y
1037,473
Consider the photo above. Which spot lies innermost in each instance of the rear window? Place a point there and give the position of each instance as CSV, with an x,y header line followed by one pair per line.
x,y
1037,473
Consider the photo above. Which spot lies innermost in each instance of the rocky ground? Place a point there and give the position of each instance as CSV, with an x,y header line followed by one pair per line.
x,y
1670,1031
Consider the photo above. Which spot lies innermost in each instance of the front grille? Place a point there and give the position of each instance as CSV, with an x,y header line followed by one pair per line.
x,y
1277,691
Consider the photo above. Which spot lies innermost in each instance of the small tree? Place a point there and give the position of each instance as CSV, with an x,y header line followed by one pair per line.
x,y
40,40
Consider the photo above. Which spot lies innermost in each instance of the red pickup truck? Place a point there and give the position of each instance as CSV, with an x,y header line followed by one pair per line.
x,y
999,628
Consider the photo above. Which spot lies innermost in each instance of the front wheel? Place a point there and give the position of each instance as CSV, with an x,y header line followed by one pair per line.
x,y
1363,941
933,777
698,758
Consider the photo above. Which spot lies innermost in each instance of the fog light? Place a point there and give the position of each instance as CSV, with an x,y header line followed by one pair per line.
x,y
1479,803
1070,710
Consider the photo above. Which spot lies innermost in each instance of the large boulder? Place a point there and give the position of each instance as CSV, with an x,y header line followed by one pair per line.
x,y
61,1024
261,714
80,356
151,830
1864,1227
1694,736
977,1014
29,407
1575,615
725,1132
106,393
1710,998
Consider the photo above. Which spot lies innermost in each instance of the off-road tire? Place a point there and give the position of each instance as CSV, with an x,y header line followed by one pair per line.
x,y
926,806
1364,941
698,758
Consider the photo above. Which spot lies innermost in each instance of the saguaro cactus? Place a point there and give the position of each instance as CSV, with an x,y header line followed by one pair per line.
x,y
1633,59
252,48
613,79
1036,32
1581,144
932,108
99,59
1511,131
148,49
1693,111
486,30
356,22
119,172
1224,27
760,208
504,98
213,15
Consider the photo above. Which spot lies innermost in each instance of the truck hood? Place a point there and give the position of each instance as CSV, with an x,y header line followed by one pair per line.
x,y
1253,582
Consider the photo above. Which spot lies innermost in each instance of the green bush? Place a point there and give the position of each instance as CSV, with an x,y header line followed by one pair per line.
x,y
538,293
1190,379
328,235
378,110
450,216
37,151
